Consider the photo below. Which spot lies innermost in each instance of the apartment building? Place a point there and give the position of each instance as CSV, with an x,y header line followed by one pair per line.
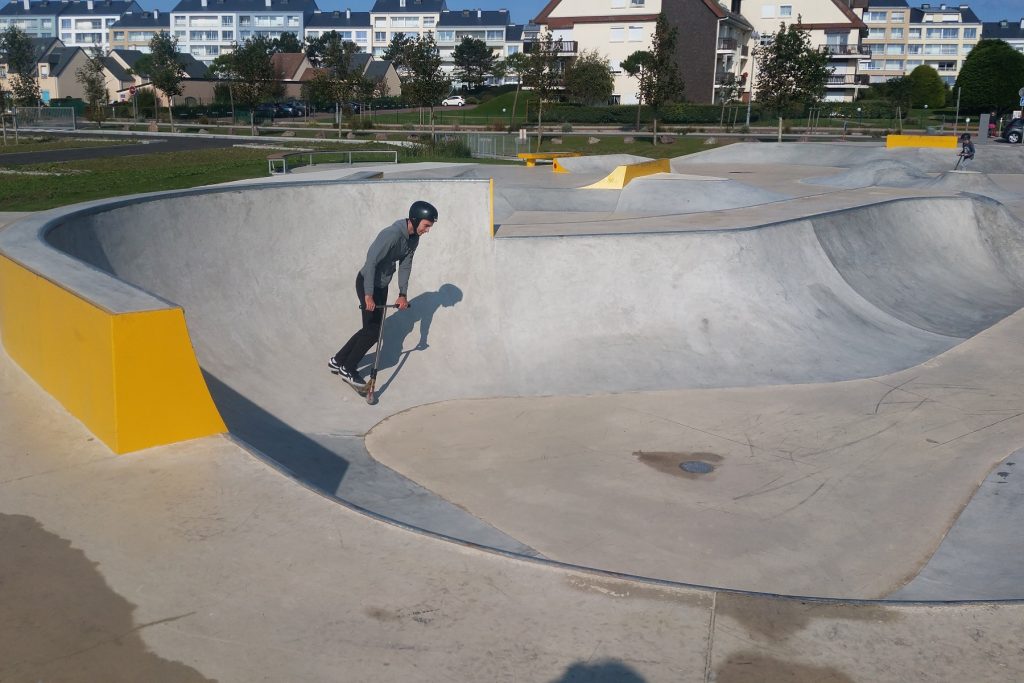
x,y
86,23
37,19
411,17
134,30
834,29
902,38
615,28
1010,31
206,29
351,26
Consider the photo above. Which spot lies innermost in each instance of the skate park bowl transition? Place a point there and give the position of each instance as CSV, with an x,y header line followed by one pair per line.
x,y
263,277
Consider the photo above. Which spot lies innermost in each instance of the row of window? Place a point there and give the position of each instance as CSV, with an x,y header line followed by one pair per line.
x,y
919,49
269,20
931,33
900,65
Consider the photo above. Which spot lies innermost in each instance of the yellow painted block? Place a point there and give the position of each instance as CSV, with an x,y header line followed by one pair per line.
x,y
624,175
131,378
937,141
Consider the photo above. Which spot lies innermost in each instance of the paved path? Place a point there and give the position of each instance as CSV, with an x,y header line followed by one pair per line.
x,y
149,146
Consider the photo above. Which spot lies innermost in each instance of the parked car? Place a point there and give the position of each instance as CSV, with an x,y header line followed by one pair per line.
x,y
1014,131
266,111
291,108
454,101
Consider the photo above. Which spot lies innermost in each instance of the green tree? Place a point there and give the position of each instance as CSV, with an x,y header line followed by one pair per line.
x,y
397,52
542,74
790,71
165,69
666,84
288,43
639,65
516,64
223,69
253,74
336,81
927,87
589,79
427,84
990,78
21,61
94,82
474,62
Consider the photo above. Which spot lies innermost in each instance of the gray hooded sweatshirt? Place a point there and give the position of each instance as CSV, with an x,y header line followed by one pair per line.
x,y
393,245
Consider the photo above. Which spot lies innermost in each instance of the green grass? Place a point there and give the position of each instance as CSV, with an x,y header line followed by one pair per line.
x,y
45,144
641,147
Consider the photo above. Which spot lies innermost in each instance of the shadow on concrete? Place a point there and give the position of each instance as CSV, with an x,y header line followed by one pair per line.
x,y
307,460
401,324
60,621
602,672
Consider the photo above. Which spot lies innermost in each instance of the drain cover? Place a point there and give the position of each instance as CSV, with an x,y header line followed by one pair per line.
x,y
696,467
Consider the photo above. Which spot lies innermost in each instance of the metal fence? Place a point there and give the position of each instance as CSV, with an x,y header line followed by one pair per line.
x,y
45,117
492,145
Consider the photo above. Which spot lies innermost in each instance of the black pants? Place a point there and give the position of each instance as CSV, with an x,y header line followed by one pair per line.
x,y
351,354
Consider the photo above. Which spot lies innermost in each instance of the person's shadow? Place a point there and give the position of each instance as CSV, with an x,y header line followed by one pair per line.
x,y
400,324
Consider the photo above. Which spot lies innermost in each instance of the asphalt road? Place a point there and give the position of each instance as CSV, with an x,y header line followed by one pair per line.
x,y
151,145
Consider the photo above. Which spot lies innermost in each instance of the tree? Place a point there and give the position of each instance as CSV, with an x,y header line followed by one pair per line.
x,y
427,83
589,79
927,87
397,53
790,71
165,69
474,62
288,43
21,61
223,69
640,65
542,74
666,85
990,78
336,81
253,72
515,64
94,83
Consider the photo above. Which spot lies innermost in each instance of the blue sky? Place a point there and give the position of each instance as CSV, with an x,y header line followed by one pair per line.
x,y
524,10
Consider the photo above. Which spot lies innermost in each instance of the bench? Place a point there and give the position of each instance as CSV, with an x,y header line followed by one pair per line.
x,y
272,160
532,158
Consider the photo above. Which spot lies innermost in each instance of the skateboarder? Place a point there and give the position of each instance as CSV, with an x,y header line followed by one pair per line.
x,y
395,244
966,151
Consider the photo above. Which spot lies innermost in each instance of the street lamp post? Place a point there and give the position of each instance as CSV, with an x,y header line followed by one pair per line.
x,y
925,115
860,118
750,82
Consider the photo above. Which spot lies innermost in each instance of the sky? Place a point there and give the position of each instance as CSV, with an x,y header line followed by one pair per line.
x,y
524,10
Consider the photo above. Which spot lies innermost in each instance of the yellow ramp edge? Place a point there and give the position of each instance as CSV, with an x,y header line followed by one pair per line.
x,y
939,141
131,378
624,175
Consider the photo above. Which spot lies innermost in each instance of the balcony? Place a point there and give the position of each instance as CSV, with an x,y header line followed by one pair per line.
x,y
726,44
845,50
562,47
848,80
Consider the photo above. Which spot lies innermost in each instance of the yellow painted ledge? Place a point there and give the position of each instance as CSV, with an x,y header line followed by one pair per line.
x,y
131,378
938,141
624,175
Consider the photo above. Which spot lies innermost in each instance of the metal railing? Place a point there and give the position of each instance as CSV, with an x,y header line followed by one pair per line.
x,y
492,145
562,47
849,79
855,50
279,163
726,43
45,117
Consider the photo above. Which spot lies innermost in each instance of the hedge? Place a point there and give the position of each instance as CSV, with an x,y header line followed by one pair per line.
x,y
626,114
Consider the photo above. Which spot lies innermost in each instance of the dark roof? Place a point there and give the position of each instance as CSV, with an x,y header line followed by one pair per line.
x,y
15,8
143,20
738,18
472,17
116,70
40,46
337,19
78,8
879,4
60,57
196,6
129,57
410,6
1012,30
967,15
378,68
514,33
358,61
193,67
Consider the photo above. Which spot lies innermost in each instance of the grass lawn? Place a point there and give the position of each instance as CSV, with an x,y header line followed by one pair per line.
x,y
35,143
641,147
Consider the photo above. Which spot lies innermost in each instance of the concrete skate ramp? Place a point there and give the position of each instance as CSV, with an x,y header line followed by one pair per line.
x,y
885,172
671,193
972,182
510,200
602,163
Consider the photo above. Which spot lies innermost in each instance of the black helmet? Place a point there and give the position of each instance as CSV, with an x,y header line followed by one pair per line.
x,y
965,136
422,211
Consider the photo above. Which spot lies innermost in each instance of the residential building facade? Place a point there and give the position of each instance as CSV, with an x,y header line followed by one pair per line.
x,y
1010,31
134,30
56,64
37,19
834,29
206,29
351,26
712,47
888,30
86,23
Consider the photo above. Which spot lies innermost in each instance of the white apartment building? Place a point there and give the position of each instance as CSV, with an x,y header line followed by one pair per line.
x,y
411,17
834,28
615,28
37,19
208,28
351,26
86,23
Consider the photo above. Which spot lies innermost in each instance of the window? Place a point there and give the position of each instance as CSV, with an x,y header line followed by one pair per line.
x,y
511,49
227,35
380,22
212,50
970,33
293,21
65,23
493,36
636,3
875,17
915,33
636,34
915,49
118,35
896,33
180,35
405,22
345,35
873,65
227,21
913,63
361,36
66,37
380,36
894,65
446,36
618,34
876,33
894,49
785,10
898,17
429,22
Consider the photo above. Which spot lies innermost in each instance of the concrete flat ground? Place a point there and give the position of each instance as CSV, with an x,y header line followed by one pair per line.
x,y
847,361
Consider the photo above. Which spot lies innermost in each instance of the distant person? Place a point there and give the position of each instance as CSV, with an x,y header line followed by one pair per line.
x,y
396,244
966,151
